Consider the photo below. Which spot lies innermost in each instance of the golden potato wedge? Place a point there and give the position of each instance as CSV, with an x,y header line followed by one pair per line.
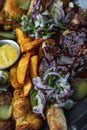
x,y
34,66
22,67
22,38
31,45
27,86
13,77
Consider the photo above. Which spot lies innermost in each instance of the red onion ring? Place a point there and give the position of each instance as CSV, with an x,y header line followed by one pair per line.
x,y
60,9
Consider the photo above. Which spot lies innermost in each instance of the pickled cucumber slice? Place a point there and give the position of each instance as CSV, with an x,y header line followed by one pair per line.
x,y
5,112
80,89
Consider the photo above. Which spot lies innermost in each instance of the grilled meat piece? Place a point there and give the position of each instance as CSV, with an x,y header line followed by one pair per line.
x,y
74,43
64,62
56,119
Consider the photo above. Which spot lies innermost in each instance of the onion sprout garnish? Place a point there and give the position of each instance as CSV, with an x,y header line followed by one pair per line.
x,y
52,87
42,23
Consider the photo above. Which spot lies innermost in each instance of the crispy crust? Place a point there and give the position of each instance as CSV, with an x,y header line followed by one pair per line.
x,y
12,10
23,115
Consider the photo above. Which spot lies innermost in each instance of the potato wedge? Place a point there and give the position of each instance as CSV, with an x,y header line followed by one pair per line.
x,y
31,45
22,38
13,77
22,67
27,86
34,66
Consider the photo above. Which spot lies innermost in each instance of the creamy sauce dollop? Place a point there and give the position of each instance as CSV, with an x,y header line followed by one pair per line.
x,y
8,54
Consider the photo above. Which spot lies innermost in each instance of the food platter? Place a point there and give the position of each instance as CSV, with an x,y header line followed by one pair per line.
x,y
46,87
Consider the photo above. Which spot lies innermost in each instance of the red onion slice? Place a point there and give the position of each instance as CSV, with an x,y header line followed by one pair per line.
x,y
51,73
60,9
39,85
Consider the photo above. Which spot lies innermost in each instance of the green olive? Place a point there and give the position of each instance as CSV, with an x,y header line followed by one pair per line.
x,y
5,112
80,89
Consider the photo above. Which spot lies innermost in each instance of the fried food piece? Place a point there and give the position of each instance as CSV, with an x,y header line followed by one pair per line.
x,y
18,93
32,45
56,119
9,13
27,86
20,104
22,113
12,10
25,42
13,77
5,98
6,125
20,107
22,38
34,66
34,121
22,67
30,122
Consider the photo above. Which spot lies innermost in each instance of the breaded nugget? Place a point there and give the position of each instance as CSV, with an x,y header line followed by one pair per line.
x,y
20,107
22,113
12,10
34,121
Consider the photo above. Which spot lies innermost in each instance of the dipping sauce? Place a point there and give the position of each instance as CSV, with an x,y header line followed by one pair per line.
x,y
8,54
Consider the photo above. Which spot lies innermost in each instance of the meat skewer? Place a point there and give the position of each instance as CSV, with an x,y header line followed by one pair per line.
x,y
56,119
